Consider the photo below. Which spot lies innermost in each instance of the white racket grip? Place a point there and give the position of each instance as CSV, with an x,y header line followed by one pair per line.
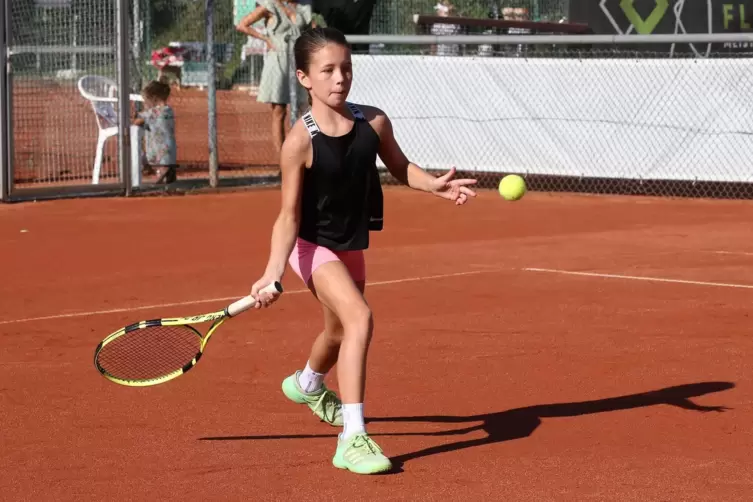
x,y
249,301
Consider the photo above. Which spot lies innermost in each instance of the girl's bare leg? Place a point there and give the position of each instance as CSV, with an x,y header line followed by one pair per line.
x,y
278,126
326,348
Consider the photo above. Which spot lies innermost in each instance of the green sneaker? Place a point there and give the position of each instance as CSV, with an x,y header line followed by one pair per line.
x,y
324,403
360,454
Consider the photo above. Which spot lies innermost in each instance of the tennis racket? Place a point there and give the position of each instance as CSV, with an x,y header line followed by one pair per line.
x,y
154,352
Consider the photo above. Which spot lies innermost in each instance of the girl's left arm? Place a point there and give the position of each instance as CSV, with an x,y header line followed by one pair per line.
x,y
412,175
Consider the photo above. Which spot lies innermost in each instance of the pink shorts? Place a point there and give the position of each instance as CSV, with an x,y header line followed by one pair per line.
x,y
307,257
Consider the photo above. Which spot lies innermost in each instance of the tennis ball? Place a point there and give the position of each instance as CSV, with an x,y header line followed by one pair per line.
x,y
512,187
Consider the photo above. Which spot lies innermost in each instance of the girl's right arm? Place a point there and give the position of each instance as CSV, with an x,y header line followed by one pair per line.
x,y
293,158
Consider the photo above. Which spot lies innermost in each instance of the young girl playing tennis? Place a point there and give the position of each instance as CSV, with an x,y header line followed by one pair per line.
x,y
331,199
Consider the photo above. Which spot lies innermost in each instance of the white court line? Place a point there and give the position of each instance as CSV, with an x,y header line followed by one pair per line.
x,y
736,253
229,298
640,278
35,363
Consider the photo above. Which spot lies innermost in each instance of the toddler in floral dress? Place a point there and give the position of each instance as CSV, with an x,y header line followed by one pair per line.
x,y
158,119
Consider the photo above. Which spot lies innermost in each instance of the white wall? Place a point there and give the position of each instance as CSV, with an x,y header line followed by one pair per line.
x,y
682,119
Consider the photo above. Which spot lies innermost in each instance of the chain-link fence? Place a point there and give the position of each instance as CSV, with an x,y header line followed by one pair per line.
x,y
53,130
580,117
63,87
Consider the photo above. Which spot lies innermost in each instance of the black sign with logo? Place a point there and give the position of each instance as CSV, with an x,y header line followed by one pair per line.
x,y
647,17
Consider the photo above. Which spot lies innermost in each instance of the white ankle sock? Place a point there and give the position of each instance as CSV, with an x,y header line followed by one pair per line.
x,y
352,419
310,380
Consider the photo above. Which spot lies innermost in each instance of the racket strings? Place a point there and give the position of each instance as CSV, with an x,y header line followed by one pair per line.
x,y
149,353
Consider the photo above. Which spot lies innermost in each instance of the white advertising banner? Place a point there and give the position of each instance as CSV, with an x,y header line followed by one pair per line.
x,y
673,119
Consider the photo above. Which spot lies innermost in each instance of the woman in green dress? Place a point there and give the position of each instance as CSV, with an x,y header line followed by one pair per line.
x,y
284,21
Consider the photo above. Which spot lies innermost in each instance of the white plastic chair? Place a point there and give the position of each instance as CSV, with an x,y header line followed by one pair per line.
x,y
102,92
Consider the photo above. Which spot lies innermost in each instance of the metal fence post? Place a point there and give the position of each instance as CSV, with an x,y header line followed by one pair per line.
x,y
124,96
212,95
293,84
4,111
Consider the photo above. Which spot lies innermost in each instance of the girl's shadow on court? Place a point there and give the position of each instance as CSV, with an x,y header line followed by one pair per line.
x,y
522,422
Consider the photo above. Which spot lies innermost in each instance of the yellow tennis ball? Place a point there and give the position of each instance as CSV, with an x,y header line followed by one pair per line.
x,y
512,187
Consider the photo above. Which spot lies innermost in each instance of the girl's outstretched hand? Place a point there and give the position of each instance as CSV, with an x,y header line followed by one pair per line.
x,y
450,189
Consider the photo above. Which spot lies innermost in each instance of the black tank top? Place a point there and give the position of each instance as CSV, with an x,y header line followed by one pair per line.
x,y
342,195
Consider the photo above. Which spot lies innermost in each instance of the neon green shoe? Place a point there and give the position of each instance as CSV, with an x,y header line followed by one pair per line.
x,y
360,454
324,403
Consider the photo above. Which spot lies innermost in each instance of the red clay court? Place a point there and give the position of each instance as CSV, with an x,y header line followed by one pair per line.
x,y
562,347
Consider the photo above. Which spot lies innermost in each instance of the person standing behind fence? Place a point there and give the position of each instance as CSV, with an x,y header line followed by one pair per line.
x,y
284,23
159,121
445,9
